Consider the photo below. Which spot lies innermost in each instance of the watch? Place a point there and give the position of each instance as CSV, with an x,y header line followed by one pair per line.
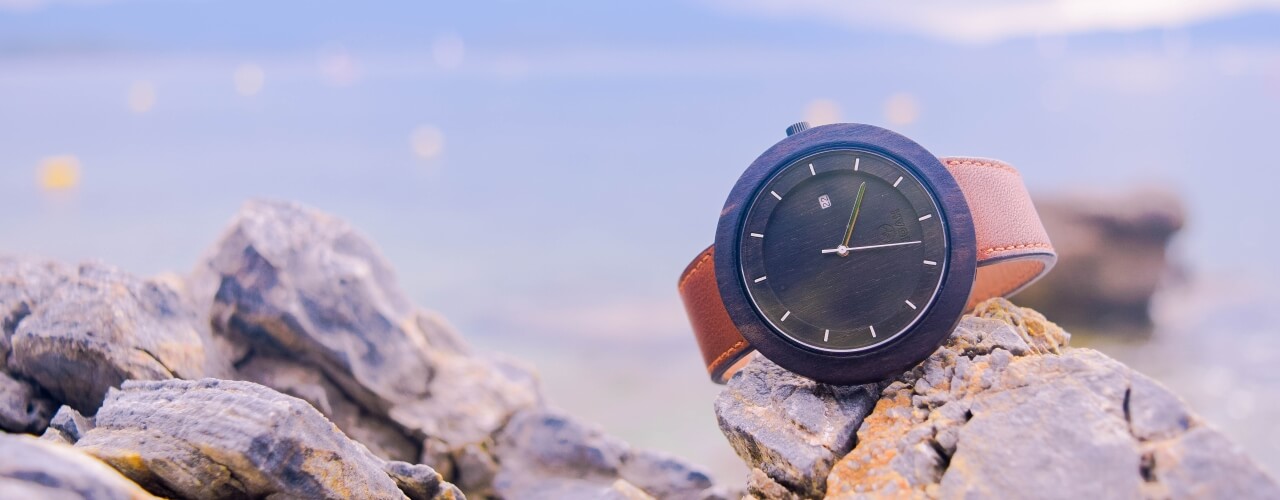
x,y
847,253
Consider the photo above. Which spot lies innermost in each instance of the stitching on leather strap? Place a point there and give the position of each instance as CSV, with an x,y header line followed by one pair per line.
x,y
736,346
974,163
1019,246
694,270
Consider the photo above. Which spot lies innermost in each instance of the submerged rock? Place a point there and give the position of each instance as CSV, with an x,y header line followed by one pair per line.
x,y
1003,409
32,468
1112,257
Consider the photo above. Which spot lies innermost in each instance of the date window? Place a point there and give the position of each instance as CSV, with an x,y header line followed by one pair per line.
x,y
824,201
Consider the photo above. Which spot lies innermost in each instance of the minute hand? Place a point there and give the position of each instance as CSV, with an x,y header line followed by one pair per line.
x,y
843,248
868,247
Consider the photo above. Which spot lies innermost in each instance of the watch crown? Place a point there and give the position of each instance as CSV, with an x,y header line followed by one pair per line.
x,y
796,128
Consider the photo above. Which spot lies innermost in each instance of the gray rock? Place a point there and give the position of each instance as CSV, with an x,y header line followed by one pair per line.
x,y
89,328
1202,463
760,485
67,426
31,468
296,300
1154,412
788,427
665,476
22,409
304,292
229,439
385,438
548,455
420,482
288,278
1063,439
1003,409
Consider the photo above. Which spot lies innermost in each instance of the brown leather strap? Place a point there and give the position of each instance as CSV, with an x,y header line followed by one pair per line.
x,y
1013,247
1013,252
721,344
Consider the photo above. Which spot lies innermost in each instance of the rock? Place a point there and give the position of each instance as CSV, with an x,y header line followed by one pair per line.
x,y
87,329
788,427
229,439
31,468
419,482
1111,256
1154,412
22,409
1202,463
760,485
1003,409
319,314
295,300
384,437
547,455
67,426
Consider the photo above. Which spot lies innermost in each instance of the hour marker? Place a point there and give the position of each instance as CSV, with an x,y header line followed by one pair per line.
x,y
930,262
785,315
873,330
926,216
856,161
762,278
775,194
757,235
899,181
811,169
909,304
825,335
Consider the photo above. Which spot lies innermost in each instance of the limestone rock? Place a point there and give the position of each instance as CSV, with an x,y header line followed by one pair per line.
x,y
1003,409
788,427
228,439
78,331
548,455
1112,256
32,468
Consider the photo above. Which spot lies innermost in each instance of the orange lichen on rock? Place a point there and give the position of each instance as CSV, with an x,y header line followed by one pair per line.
x,y
866,468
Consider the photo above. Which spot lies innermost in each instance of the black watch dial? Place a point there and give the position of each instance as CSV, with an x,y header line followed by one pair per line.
x,y
843,250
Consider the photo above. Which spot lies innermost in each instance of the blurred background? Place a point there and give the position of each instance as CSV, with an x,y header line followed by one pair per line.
x,y
541,172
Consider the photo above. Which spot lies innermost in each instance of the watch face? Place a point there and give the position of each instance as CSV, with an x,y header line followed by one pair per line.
x,y
842,250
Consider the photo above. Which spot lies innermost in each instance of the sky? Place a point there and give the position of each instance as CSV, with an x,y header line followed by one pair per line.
x,y
568,158
543,171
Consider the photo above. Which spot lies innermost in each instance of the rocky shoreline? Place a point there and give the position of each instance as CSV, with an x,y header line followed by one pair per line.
x,y
289,364
1004,409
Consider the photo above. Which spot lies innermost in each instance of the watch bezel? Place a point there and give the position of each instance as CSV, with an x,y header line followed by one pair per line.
x,y
882,360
